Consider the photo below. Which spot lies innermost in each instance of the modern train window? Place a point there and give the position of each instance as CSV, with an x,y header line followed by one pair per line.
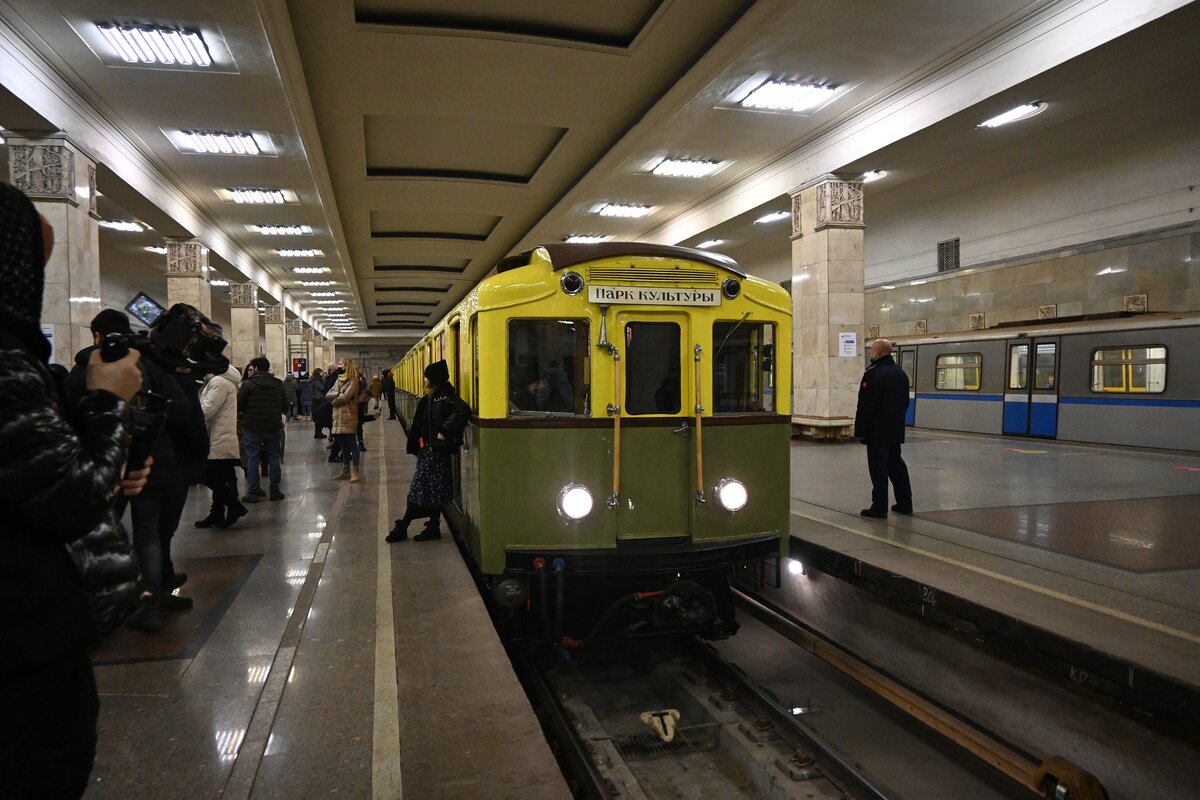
x,y
1044,366
743,368
548,366
652,379
1138,369
958,372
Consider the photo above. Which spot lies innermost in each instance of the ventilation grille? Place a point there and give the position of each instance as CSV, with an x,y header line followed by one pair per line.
x,y
649,745
948,255
704,277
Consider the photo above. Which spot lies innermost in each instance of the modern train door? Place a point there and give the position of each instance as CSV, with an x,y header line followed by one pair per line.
x,y
907,358
1031,393
656,436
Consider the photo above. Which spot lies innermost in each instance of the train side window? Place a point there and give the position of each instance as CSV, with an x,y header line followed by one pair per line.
x,y
652,379
743,372
958,372
548,366
1141,369
1018,366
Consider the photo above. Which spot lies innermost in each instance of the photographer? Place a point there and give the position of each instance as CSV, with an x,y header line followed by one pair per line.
x,y
60,466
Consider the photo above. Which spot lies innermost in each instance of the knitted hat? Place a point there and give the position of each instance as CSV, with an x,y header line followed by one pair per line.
x,y
437,372
23,257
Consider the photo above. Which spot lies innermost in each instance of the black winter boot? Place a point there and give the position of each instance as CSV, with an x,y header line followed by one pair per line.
x,y
431,531
399,532
215,519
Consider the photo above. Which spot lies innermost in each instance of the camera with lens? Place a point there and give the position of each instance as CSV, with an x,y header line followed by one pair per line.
x,y
181,339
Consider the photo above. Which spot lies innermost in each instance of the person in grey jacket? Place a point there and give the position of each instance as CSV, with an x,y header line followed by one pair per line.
x,y
262,404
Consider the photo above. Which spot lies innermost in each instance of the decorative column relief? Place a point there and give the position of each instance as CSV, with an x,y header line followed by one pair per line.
x,y
43,171
275,314
187,257
840,204
187,274
243,295
295,327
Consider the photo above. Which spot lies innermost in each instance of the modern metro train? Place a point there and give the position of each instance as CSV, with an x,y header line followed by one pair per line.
x,y
628,444
1127,380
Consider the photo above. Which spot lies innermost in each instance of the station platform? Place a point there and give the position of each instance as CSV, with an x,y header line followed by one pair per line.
x,y
317,660
1085,558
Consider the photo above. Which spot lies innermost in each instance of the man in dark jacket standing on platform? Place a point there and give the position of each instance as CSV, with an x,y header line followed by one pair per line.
x,y
389,394
879,423
262,404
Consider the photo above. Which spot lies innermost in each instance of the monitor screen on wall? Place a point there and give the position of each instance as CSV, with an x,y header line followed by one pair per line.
x,y
144,308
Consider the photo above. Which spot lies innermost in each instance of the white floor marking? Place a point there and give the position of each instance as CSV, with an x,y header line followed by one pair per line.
x,y
385,757
1066,598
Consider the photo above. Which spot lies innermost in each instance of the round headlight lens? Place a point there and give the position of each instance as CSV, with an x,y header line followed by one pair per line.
x,y
731,494
574,501
572,283
731,288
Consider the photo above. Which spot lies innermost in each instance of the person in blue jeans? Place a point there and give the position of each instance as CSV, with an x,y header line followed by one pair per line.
x,y
262,405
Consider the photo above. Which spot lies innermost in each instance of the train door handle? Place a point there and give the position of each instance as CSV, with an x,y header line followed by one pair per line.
x,y
684,429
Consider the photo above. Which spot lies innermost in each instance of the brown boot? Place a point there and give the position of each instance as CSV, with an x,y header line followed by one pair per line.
x,y
344,475
355,477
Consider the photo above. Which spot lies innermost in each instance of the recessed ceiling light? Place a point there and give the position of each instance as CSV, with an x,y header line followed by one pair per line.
x,y
257,196
621,210
229,143
128,226
684,167
788,96
586,238
330,302
156,44
302,253
219,282
323,294
918,283
710,243
316,283
873,175
310,270
889,286
774,216
281,230
1012,115
156,249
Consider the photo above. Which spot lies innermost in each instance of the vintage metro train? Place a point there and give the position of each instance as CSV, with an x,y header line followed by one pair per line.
x,y
628,445
1125,380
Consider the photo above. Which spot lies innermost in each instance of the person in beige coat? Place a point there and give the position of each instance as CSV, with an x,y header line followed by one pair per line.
x,y
218,399
344,399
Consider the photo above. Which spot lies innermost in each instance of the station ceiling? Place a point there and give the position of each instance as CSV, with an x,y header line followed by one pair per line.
x,y
426,139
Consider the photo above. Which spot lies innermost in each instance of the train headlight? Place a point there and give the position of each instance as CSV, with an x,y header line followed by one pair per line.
x,y
731,288
731,494
571,283
574,502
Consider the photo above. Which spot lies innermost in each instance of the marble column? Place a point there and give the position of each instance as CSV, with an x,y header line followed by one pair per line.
x,y
243,324
295,342
310,348
60,179
187,275
275,340
827,305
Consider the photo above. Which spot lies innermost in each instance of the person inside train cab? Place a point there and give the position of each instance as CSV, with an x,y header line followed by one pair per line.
x,y
879,424
556,393
526,389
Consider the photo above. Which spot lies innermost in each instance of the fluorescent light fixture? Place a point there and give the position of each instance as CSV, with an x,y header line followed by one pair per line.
x,y
873,175
621,210
774,216
302,253
684,167
310,270
156,249
316,283
83,299
219,282
330,302
586,238
323,294
1012,115
281,230
788,96
710,243
129,226
889,286
918,283
156,44
1110,270
229,143
257,195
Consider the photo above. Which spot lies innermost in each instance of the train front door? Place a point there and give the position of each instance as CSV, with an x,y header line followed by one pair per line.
x,y
1031,395
656,441
907,358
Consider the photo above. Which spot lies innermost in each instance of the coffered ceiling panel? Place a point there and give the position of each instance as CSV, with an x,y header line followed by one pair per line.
x,y
420,224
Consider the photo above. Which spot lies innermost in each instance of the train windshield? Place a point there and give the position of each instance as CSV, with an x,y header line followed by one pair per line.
x,y
743,368
548,370
652,379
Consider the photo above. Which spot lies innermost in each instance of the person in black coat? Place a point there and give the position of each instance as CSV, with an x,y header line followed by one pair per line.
x,y
60,464
879,423
389,394
436,432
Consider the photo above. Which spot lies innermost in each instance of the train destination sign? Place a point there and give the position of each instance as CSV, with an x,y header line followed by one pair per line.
x,y
644,296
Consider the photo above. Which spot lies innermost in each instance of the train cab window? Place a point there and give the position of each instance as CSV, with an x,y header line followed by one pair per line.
x,y
743,368
652,377
548,366
958,372
1129,370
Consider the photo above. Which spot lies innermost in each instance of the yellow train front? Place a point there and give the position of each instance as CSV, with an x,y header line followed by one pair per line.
x,y
628,446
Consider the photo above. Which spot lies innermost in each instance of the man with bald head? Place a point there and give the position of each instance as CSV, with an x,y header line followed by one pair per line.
x,y
879,424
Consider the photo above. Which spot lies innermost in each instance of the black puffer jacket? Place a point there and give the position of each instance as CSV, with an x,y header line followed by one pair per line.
x,y
261,403
440,411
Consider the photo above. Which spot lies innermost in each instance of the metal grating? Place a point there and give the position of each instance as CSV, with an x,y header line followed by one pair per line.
x,y
649,745
706,277
947,255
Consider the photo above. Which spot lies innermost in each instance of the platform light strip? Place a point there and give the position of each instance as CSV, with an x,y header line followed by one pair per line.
x,y
1066,598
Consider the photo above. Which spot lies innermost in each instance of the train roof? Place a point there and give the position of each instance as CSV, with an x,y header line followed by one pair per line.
x,y
568,254
1180,319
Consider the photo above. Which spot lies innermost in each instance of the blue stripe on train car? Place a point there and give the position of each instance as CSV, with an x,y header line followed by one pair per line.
x,y
1129,401
1016,418
996,398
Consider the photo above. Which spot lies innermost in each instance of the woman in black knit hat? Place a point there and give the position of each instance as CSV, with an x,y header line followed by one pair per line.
x,y
435,433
